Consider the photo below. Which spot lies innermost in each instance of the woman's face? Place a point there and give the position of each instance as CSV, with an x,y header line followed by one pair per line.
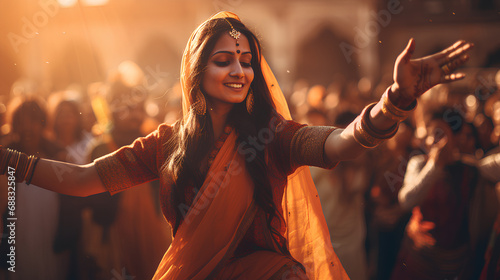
x,y
229,72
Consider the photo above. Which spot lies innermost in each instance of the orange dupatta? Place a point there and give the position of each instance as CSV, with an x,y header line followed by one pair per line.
x,y
308,242
197,249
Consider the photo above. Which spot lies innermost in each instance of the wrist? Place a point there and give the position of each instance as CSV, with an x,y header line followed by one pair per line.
x,y
391,110
396,96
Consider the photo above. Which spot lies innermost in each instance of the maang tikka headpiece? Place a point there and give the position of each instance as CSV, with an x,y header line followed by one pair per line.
x,y
234,33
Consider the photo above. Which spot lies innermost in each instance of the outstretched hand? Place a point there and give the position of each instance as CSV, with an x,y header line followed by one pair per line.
x,y
413,77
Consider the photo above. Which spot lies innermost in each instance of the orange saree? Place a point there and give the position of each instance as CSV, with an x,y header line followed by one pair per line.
x,y
308,239
215,224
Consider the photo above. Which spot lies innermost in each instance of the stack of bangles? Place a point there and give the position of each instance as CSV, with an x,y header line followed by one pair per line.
x,y
367,135
22,164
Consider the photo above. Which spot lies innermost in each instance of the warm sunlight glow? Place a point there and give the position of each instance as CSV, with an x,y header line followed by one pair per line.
x,y
70,3
67,3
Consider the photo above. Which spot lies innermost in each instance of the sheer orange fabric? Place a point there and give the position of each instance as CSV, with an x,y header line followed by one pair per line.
x,y
197,250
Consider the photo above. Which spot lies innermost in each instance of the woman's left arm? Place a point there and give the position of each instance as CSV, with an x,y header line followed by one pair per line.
x,y
412,78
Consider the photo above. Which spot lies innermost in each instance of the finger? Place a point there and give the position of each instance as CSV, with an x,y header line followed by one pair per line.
x,y
442,142
460,51
452,77
442,57
408,51
459,56
458,60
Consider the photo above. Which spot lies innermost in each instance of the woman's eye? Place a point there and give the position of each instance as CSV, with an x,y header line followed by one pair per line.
x,y
246,64
221,63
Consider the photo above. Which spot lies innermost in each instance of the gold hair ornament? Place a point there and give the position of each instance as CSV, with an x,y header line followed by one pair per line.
x,y
233,33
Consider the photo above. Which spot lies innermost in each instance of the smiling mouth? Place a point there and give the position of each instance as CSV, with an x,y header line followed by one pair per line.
x,y
234,85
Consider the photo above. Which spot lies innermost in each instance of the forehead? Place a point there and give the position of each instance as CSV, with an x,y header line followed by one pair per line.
x,y
228,43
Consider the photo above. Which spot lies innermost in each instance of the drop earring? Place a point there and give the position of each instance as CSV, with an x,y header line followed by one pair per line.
x,y
200,104
249,101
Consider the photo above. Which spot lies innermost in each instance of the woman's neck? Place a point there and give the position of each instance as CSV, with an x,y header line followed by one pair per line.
x,y
219,114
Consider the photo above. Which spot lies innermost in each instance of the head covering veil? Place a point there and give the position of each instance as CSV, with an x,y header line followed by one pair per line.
x,y
307,235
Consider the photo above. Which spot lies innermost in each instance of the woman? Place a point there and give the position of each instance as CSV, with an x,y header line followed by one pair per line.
x,y
229,163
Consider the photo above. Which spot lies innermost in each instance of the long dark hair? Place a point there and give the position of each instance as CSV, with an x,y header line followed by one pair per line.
x,y
193,135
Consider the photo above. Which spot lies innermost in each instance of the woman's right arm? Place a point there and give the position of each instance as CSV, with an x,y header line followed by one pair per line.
x,y
67,178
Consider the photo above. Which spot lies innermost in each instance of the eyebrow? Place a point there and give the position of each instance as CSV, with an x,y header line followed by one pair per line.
x,y
231,53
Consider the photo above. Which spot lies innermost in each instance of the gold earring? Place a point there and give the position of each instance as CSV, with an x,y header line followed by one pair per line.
x,y
249,102
200,104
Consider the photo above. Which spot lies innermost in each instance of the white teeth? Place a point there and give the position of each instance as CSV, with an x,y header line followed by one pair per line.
x,y
234,85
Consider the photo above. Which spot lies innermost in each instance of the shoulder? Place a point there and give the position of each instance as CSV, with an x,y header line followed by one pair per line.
x,y
164,131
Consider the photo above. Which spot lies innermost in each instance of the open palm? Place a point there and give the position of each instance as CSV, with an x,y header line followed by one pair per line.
x,y
413,77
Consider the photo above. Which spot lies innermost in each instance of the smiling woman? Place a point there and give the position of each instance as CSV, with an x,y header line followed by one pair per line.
x,y
235,182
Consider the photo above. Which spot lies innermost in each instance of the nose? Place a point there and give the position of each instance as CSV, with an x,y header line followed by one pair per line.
x,y
237,71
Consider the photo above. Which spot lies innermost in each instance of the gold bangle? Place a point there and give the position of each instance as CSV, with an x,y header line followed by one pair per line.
x,y
393,112
26,167
372,130
363,138
366,134
15,160
29,175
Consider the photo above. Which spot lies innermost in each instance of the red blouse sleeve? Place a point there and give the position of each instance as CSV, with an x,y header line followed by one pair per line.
x,y
134,164
298,144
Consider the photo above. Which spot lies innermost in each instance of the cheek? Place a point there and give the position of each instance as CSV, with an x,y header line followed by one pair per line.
x,y
212,77
250,75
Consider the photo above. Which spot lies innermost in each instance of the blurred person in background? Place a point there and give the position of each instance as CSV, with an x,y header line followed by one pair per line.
x,y
341,191
468,140
125,231
66,128
386,219
491,269
450,217
485,133
37,210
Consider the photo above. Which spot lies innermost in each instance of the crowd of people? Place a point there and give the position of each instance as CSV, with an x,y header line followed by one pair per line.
x,y
81,238
419,206
393,209
370,219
